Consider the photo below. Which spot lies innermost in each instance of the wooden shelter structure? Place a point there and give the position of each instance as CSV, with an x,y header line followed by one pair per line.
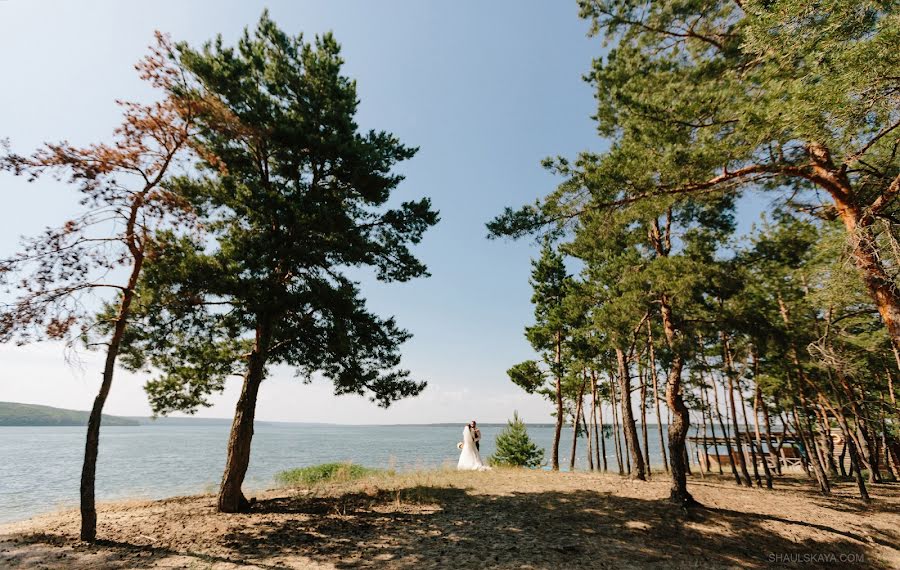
x,y
782,450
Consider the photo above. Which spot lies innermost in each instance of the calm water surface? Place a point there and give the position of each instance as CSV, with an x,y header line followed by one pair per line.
x,y
40,467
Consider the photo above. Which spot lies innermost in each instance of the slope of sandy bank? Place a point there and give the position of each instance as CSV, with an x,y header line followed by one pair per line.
x,y
500,519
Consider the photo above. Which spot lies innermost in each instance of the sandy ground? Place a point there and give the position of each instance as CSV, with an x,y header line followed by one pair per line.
x,y
500,519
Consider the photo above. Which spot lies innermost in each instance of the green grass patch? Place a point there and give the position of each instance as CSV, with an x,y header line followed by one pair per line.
x,y
325,473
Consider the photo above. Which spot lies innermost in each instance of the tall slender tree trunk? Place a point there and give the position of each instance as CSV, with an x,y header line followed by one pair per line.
x,y
575,420
646,445
712,422
840,461
808,439
705,466
653,379
827,443
892,463
767,424
631,437
866,443
92,441
231,499
681,419
757,403
588,429
724,425
617,444
730,372
849,447
753,454
599,442
554,461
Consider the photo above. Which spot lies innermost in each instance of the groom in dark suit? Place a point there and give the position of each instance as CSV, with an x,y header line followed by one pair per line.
x,y
476,434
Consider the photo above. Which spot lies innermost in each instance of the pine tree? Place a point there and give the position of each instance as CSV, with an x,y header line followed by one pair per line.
x,y
515,448
64,273
548,335
294,196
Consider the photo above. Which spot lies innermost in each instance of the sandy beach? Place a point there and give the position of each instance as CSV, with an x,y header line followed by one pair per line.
x,y
499,519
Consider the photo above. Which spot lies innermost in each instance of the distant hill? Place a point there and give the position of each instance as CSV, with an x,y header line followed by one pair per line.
x,y
15,414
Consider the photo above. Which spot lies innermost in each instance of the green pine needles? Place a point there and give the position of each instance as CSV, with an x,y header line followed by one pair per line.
x,y
515,448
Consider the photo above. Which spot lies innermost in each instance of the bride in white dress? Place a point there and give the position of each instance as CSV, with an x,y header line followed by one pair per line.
x,y
470,459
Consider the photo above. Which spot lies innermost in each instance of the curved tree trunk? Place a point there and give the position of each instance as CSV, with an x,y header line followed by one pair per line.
x,y
231,499
681,419
92,442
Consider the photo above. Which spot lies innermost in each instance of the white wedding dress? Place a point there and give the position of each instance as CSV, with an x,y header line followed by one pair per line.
x,y
470,459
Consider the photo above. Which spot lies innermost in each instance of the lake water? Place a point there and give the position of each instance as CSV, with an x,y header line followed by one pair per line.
x,y
40,467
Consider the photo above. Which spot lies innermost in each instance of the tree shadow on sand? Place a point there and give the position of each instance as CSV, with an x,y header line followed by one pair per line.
x,y
434,528
430,528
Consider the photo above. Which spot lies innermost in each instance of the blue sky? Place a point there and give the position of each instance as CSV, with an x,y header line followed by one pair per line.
x,y
486,89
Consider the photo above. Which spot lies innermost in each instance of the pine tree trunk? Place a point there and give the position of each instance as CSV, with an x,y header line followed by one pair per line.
x,y
730,372
753,454
849,447
860,237
723,423
841,459
92,441
681,419
559,405
809,441
662,441
827,443
617,444
712,423
631,437
588,429
757,403
767,424
575,419
231,499
599,442
646,444
705,466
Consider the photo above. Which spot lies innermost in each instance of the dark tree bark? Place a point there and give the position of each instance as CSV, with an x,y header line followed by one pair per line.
x,y
92,442
576,418
646,444
599,442
557,434
753,453
231,498
681,419
631,437
712,422
653,379
757,404
724,425
809,442
730,373
617,444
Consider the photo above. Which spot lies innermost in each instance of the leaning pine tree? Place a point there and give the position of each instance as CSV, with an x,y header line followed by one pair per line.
x,y
63,275
515,448
293,195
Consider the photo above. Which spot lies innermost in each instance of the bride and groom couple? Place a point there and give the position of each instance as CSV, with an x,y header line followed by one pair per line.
x,y
470,457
